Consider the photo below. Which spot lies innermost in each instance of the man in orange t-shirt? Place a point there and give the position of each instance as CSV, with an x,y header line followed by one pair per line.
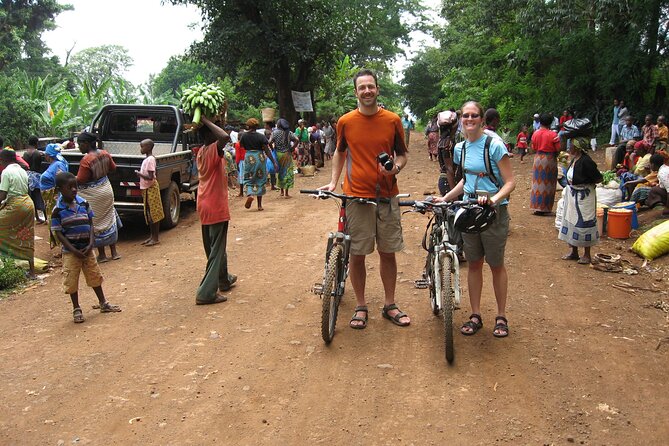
x,y
214,212
362,135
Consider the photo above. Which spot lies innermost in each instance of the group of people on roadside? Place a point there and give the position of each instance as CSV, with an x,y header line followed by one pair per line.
x,y
641,158
273,155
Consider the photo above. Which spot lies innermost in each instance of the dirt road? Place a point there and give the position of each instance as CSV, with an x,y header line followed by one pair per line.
x,y
582,363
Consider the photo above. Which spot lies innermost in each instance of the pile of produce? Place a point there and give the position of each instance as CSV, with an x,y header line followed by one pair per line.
x,y
202,98
608,176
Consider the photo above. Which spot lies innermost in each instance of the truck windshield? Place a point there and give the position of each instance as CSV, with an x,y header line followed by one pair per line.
x,y
125,126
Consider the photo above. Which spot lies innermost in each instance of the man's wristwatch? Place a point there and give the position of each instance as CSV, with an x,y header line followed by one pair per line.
x,y
399,168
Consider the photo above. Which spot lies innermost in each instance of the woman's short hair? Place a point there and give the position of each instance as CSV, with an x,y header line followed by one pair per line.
x,y
252,123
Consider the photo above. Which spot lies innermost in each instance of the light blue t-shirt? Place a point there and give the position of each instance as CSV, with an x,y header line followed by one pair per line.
x,y
616,119
475,163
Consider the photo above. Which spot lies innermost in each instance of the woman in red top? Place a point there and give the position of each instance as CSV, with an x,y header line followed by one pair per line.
x,y
546,144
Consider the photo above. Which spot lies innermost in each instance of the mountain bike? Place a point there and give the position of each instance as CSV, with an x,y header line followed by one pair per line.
x,y
337,253
441,274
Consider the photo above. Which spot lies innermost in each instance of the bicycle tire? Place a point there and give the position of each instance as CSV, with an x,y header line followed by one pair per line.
x,y
329,294
447,305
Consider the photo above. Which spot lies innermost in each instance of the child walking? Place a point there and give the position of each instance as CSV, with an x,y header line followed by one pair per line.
x,y
72,225
521,143
148,184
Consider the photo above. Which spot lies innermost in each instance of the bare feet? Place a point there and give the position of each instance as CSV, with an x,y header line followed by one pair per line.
x,y
584,260
570,256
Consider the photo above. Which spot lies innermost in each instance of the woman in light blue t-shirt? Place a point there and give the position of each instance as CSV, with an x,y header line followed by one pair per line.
x,y
490,244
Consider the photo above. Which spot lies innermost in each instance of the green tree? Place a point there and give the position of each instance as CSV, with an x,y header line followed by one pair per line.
x,y
180,71
286,45
101,63
22,24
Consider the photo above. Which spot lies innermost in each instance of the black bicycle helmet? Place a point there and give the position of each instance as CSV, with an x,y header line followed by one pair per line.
x,y
474,218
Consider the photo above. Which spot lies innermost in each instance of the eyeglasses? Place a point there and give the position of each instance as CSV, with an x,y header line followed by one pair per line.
x,y
471,115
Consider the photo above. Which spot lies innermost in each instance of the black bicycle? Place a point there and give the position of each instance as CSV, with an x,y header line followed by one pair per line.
x,y
441,274
337,253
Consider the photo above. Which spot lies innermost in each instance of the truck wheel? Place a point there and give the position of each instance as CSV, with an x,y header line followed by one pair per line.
x,y
171,206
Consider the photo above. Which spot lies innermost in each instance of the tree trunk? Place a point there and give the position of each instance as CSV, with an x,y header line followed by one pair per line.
x,y
286,109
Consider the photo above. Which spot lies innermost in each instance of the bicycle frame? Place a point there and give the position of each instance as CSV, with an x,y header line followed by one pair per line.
x,y
443,247
341,237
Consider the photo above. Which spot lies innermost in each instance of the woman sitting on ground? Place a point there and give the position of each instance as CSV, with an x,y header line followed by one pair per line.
x,y
579,221
638,189
657,195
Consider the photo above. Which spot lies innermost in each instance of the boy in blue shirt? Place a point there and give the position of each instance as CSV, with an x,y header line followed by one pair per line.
x,y
72,225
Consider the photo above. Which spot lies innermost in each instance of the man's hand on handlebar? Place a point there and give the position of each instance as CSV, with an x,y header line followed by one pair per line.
x,y
329,187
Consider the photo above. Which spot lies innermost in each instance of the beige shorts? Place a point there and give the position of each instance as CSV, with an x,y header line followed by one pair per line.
x,y
367,228
73,265
490,243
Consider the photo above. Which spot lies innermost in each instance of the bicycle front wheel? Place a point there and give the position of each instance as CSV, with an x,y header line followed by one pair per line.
x,y
330,295
447,304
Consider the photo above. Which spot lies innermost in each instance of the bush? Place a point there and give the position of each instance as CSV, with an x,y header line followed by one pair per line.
x,y
10,274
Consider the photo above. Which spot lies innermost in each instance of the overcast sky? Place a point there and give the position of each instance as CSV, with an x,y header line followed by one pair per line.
x,y
151,32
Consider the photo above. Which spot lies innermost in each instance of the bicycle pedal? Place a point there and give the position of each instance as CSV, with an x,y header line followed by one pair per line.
x,y
421,283
317,288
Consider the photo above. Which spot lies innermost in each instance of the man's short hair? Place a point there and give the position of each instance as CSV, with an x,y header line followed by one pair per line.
x,y
33,141
62,178
364,72
545,119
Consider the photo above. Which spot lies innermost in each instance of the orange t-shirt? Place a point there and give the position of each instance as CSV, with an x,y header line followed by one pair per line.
x,y
212,190
363,138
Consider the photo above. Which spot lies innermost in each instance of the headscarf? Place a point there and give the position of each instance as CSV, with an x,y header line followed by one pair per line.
x,y
53,150
283,124
581,144
8,155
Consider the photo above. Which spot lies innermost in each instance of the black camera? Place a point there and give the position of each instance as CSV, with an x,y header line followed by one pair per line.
x,y
384,159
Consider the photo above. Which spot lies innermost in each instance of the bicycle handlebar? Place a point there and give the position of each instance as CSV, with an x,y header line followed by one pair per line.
x,y
321,193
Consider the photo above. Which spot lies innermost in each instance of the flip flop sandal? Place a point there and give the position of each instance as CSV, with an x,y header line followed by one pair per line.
x,y
501,326
78,315
248,203
394,319
474,326
356,318
109,308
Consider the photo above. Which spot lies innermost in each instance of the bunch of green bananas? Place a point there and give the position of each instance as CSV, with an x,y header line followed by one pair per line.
x,y
202,98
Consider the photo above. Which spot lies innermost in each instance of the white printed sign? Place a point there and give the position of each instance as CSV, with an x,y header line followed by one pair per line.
x,y
302,101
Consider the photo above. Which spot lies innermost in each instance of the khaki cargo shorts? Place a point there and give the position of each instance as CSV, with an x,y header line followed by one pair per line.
x,y
490,243
73,265
367,228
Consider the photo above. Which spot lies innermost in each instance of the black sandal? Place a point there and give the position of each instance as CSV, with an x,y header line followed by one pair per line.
x,y
356,318
474,326
499,326
394,319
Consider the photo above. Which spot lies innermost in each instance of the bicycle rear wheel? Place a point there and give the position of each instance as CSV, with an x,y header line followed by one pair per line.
x,y
447,304
330,295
